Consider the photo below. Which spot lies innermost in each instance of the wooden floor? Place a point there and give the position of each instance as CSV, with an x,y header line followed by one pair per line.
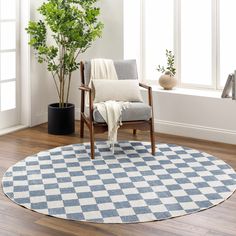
x,y
15,220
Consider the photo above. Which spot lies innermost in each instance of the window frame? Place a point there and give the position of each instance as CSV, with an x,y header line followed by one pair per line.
x,y
215,32
16,20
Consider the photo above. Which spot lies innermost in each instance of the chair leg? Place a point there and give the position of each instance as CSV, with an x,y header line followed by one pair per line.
x,y
134,131
152,136
91,131
81,127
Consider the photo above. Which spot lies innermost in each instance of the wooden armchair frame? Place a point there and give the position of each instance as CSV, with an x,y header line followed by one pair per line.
x,y
102,127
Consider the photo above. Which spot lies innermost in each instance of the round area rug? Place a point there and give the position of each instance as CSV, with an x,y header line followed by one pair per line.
x,y
130,186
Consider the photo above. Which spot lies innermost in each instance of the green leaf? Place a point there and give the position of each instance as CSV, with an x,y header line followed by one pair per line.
x,y
68,28
170,63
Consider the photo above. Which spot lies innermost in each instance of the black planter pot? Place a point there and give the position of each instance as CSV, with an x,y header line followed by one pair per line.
x,y
61,120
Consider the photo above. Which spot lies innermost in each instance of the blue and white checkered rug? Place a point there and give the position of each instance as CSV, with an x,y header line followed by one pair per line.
x,y
130,186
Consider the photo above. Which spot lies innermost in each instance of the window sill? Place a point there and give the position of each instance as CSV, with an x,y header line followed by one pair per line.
x,y
191,92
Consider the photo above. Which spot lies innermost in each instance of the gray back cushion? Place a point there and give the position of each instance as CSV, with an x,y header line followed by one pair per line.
x,y
125,69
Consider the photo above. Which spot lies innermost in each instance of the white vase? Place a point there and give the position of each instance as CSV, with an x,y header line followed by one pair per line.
x,y
167,81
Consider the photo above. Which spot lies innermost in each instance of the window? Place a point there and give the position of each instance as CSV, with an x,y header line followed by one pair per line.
x,y
227,39
132,30
154,44
7,55
9,69
196,42
199,32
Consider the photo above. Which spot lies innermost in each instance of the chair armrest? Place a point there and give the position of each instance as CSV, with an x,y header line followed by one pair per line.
x,y
145,86
149,88
89,90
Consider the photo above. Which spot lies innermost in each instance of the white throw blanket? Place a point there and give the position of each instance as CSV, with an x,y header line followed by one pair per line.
x,y
102,69
111,111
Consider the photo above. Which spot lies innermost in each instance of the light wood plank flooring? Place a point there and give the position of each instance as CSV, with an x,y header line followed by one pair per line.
x,y
15,220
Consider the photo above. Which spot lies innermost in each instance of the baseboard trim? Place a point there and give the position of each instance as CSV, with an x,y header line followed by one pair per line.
x,y
195,131
12,129
174,128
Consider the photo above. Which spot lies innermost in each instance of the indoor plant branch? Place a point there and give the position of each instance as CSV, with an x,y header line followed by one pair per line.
x,y
70,26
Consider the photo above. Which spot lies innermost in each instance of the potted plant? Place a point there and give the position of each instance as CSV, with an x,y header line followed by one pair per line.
x,y
68,29
168,80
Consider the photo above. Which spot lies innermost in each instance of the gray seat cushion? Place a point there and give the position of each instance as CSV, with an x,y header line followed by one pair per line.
x,y
136,111
125,69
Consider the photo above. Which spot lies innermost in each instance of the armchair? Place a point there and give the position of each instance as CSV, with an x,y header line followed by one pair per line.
x,y
139,116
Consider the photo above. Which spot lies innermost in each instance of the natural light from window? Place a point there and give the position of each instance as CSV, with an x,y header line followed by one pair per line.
x,y
227,39
132,30
7,55
158,35
199,32
196,46
8,11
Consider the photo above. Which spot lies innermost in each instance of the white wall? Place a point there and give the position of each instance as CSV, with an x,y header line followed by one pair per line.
x,y
203,115
109,46
41,84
